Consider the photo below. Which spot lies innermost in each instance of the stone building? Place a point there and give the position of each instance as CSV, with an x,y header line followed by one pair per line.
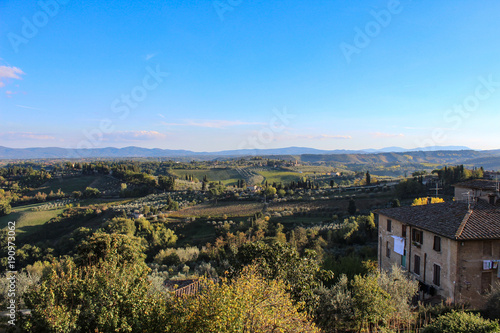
x,y
451,248
477,189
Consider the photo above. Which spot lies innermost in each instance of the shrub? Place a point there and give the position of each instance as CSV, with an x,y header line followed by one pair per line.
x,y
461,322
493,303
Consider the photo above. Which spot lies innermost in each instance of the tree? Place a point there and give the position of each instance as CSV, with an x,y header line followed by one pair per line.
x,y
395,203
5,207
371,303
77,194
277,261
166,183
493,302
249,303
461,322
109,296
172,205
351,209
335,311
103,246
372,300
121,225
368,179
270,191
216,190
425,201
91,192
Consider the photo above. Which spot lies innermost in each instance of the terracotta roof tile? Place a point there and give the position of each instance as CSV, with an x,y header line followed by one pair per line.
x,y
451,219
478,184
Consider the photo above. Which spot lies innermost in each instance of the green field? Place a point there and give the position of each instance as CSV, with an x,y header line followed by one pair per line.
x,y
67,185
226,176
27,220
276,176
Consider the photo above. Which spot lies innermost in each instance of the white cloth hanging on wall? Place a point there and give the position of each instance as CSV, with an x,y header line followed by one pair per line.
x,y
399,245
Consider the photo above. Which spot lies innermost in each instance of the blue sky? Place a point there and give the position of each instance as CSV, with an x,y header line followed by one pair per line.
x,y
229,74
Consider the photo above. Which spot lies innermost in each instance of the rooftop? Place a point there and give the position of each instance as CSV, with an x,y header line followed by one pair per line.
x,y
451,219
478,184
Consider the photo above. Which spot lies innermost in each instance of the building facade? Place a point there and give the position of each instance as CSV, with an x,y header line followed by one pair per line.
x,y
452,248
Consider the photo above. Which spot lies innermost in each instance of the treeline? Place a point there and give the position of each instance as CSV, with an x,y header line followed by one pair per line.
x,y
446,177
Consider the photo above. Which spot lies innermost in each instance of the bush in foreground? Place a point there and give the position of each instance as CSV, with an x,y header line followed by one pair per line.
x,y
462,322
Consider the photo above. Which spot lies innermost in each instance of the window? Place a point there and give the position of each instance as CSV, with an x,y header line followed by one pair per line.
x,y
437,243
389,225
416,265
387,250
437,275
487,248
417,236
403,232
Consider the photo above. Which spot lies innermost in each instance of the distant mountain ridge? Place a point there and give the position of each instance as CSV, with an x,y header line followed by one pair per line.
x,y
111,152
390,156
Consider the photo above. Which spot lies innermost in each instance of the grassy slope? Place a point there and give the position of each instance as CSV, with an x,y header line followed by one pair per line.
x,y
226,176
28,221
67,185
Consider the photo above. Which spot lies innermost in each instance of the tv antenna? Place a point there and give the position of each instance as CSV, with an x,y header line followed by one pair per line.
x,y
437,189
469,197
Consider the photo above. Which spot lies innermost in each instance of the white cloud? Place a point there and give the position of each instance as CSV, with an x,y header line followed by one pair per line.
x,y
320,137
10,72
213,123
13,136
7,73
134,136
150,56
386,135
28,107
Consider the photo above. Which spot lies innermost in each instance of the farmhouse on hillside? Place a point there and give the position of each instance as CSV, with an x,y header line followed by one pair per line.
x,y
451,248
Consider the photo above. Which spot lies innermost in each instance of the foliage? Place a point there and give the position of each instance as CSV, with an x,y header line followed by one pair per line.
x,y
367,301
347,265
355,229
171,256
425,201
270,191
335,310
461,322
91,192
102,246
410,188
395,203
250,303
401,289
277,261
166,183
121,225
493,302
5,207
109,296
24,280
372,305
